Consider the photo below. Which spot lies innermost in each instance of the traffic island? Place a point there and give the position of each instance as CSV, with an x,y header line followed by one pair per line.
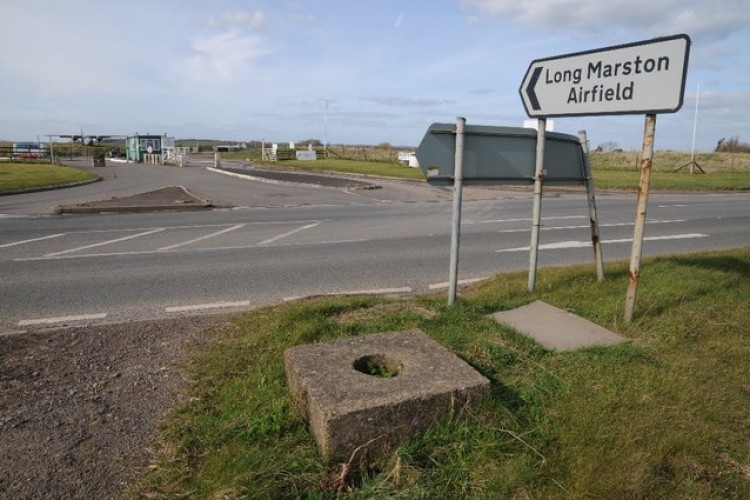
x,y
365,396
168,199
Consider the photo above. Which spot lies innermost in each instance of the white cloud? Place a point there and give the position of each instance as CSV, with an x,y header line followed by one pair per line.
x,y
225,57
399,20
695,17
709,20
406,101
250,21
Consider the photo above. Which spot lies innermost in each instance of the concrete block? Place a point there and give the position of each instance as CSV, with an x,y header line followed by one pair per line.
x,y
375,392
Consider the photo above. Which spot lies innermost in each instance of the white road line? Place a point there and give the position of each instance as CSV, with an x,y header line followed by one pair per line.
x,y
583,244
192,226
374,291
214,305
102,243
13,332
64,319
438,286
288,233
191,250
32,240
525,219
686,205
614,224
195,240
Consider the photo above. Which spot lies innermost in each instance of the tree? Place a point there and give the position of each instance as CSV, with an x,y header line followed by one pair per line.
x,y
608,146
732,145
316,143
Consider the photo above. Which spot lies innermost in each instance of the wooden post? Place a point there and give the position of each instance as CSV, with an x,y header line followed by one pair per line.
x,y
640,216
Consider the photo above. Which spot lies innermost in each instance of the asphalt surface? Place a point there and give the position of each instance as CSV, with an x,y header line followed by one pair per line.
x,y
300,178
122,180
280,241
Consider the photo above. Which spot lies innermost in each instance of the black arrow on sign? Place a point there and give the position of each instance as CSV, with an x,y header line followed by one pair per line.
x,y
530,89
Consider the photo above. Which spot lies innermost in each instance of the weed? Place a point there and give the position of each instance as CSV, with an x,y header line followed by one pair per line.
x,y
664,416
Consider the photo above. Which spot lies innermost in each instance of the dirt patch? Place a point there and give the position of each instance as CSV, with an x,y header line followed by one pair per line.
x,y
80,406
175,198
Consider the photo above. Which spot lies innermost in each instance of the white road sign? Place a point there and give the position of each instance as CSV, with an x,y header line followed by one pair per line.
x,y
638,78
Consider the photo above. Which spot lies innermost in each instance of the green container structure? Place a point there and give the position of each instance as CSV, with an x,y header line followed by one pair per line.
x,y
140,145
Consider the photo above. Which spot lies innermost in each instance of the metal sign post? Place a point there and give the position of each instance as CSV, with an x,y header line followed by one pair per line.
x,y
457,196
646,77
497,155
536,214
593,218
640,216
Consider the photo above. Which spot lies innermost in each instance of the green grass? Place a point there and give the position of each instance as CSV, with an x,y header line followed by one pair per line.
x,y
664,416
669,181
379,168
17,176
611,170
724,171
669,161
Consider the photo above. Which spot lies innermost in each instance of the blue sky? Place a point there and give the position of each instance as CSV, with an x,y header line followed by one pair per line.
x,y
255,69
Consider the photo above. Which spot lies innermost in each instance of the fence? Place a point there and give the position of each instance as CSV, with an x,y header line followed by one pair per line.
x,y
25,154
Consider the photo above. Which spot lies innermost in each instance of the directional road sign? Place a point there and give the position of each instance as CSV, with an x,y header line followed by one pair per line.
x,y
638,78
499,155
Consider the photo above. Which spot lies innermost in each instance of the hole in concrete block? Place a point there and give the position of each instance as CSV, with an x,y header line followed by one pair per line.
x,y
378,365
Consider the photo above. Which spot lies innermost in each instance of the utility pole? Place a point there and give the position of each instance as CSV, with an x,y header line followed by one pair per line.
x,y
692,163
325,127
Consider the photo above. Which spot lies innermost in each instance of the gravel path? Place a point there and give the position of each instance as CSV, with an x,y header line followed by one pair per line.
x,y
79,407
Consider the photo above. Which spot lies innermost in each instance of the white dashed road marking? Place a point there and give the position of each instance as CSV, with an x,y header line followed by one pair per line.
x,y
64,319
288,233
32,240
438,286
374,291
524,219
195,240
214,305
583,244
108,242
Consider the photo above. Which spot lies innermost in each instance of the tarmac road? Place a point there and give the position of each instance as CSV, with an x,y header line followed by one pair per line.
x,y
281,241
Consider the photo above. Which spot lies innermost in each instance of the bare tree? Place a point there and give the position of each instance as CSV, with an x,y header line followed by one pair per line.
x,y
608,146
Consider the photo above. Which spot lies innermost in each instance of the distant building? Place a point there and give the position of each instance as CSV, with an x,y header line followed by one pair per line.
x,y
408,158
139,146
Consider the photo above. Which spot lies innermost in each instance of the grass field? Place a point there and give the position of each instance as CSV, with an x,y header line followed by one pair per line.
x,y
359,167
724,171
611,170
16,176
669,161
664,416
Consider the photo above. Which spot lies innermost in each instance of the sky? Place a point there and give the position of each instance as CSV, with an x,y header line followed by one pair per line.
x,y
346,71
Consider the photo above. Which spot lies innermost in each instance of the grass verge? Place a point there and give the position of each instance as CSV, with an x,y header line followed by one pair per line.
x,y
673,181
610,171
664,416
379,168
18,176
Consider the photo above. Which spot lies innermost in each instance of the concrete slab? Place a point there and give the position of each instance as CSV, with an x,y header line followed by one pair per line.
x,y
370,394
555,328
